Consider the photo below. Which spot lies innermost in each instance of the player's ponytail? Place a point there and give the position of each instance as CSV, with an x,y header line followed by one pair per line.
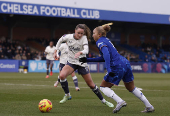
x,y
104,29
87,31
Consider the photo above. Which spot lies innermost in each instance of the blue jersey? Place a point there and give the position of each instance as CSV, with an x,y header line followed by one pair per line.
x,y
115,57
115,63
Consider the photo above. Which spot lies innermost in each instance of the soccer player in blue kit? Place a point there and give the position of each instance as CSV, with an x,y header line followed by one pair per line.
x,y
118,68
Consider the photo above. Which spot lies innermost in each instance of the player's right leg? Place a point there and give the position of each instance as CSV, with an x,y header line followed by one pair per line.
x,y
105,87
58,80
47,62
67,70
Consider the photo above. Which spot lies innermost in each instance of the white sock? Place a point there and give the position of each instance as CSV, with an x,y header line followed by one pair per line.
x,y
110,93
75,77
67,94
103,100
140,95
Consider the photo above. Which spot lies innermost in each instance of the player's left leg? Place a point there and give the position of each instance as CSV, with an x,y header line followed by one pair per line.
x,y
51,67
131,88
90,83
75,80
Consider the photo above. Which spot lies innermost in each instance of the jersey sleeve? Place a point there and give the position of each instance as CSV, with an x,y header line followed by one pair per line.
x,y
46,49
64,38
85,41
100,45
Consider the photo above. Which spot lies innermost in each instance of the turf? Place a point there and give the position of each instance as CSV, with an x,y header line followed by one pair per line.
x,y
20,94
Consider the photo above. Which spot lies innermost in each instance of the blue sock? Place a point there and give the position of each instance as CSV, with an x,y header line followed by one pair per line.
x,y
64,85
47,71
97,92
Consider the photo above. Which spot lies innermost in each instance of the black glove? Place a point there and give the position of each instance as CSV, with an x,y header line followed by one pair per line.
x,y
83,60
111,74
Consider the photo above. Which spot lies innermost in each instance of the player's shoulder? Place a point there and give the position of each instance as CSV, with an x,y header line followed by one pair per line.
x,y
100,43
48,47
68,36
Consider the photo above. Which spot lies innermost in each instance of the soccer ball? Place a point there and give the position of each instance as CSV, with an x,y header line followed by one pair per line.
x,y
45,105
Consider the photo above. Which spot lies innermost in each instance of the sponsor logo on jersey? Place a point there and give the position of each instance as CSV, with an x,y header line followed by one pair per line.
x,y
64,35
99,44
72,48
70,41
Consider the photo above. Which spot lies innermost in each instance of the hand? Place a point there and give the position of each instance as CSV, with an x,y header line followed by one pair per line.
x,y
110,72
83,60
77,54
55,56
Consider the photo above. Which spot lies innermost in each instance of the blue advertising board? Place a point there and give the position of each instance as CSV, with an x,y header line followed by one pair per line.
x,y
23,62
141,67
40,66
96,67
168,64
159,67
81,13
9,65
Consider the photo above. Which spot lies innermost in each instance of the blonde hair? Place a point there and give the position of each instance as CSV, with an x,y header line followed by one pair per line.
x,y
103,29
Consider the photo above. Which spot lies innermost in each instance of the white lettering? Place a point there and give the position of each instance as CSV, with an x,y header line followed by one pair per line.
x,y
10,7
42,9
82,13
25,9
63,12
30,9
3,7
7,65
35,10
54,11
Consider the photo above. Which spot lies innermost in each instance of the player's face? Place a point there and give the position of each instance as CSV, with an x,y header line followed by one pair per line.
x,y
96,35
51,44
79,33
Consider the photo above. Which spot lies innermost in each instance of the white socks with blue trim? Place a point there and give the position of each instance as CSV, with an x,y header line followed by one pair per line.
x,y
140,95
110,93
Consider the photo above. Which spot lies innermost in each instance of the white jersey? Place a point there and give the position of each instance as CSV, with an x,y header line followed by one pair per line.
x,y
63,49
74,46
50,52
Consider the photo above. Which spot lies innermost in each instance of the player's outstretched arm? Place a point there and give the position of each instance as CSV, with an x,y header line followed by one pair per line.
x,y
106,56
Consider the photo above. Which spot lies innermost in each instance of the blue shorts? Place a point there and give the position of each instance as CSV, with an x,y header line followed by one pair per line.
x,y
49,61
61,66
122,72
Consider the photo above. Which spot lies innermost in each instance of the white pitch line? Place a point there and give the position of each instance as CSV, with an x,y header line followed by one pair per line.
x,y
69,86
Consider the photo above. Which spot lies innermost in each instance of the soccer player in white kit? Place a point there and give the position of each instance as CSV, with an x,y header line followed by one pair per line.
x,y
78,47
49,51
63,50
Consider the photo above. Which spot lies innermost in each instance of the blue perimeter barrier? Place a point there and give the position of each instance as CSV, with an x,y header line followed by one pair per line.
x,y
95,67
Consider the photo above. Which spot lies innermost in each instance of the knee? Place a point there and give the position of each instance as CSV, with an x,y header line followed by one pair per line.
x,y
62,76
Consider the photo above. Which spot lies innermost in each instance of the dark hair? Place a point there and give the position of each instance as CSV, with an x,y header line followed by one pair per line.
x,y
87,31
103,29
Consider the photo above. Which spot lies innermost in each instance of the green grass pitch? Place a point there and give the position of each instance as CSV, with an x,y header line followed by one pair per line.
x,y
20,94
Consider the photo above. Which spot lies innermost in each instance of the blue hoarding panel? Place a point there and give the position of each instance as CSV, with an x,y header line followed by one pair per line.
x,y
40,66
81,13
9,65
141,67
23,62
159,67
